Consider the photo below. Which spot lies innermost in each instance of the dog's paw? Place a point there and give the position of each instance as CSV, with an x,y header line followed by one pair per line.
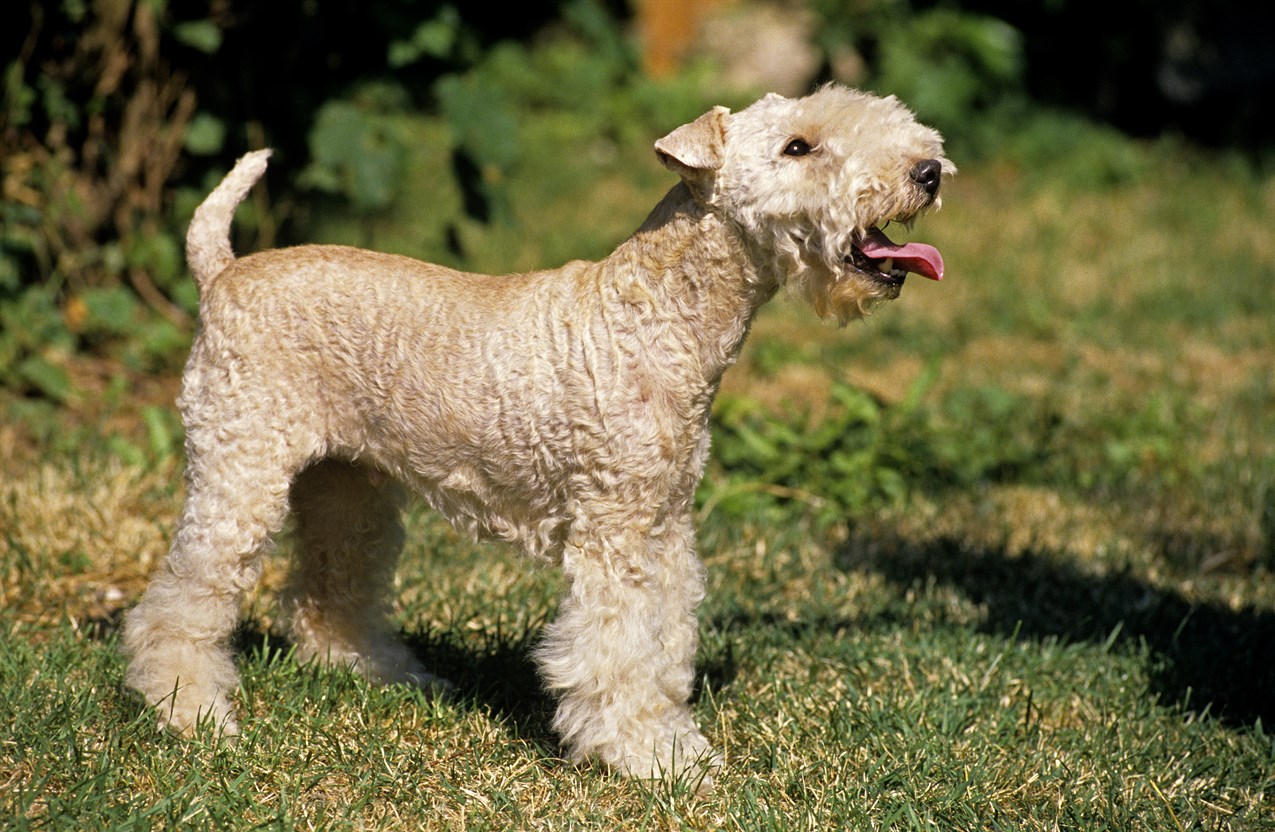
x,y
685,757
188,717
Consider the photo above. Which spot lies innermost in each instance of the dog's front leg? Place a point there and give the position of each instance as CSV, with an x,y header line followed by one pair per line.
x,y
621,653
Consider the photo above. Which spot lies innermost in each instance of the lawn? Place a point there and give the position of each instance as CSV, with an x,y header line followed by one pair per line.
x,y
998,558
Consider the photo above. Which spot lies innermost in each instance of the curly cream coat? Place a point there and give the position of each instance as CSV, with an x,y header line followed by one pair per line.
x,y
565,411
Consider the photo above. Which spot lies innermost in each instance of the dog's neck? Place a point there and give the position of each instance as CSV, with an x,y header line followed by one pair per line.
x,y
699,270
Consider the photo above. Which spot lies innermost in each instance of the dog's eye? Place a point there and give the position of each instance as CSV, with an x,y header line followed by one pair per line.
x,y
797,147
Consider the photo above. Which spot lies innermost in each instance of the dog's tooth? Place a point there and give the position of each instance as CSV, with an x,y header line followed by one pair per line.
x,y
887,265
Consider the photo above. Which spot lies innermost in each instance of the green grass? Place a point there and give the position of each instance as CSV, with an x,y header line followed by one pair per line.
x,y
1064,619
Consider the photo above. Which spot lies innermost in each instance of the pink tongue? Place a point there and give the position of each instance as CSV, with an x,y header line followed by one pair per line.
x,y
913,257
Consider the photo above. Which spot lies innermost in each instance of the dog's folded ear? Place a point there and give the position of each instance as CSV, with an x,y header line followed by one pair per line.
x,y
695,149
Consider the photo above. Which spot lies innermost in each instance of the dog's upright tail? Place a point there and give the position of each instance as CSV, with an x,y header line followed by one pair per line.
x,y
208,239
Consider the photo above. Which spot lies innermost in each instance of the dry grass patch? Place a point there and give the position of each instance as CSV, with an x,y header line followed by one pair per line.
x,y
81,541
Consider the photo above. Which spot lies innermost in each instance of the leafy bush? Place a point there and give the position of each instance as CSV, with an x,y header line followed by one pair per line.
x,y
865,454
93,131
959,71
96,122
767,464
1083,155
950,66
117,118
356,153
32,332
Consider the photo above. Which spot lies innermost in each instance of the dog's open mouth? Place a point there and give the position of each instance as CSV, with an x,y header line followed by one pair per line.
x,y
878,257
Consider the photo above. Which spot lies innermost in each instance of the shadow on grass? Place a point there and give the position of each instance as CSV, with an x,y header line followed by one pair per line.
x,y
500,678
1206,657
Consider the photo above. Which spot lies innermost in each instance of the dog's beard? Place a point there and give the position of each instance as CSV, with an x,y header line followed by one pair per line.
x,y
846,297
845,286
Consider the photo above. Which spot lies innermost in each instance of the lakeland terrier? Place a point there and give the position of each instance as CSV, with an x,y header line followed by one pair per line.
x,y
565,411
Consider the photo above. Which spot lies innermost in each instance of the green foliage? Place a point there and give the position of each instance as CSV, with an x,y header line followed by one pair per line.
x,y
109,310
1085,155
203,35
205,135
960,71
481,94
861,456
949,66
482,117
356,152
91,135
848,462
441,37
32,334
983,434
485,146
864,455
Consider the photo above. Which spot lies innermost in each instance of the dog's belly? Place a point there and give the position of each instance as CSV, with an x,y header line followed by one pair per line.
x,y
499,468
488,510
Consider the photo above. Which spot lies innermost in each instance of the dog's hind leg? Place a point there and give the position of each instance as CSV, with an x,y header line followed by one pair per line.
x,y
177,636
350,537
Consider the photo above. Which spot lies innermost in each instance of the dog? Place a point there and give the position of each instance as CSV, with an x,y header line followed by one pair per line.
x,y
565,411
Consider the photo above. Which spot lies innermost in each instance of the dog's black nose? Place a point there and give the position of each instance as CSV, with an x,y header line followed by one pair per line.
x,y
928,173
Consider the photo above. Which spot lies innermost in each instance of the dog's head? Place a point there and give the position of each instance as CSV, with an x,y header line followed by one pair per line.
x,y
812,182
